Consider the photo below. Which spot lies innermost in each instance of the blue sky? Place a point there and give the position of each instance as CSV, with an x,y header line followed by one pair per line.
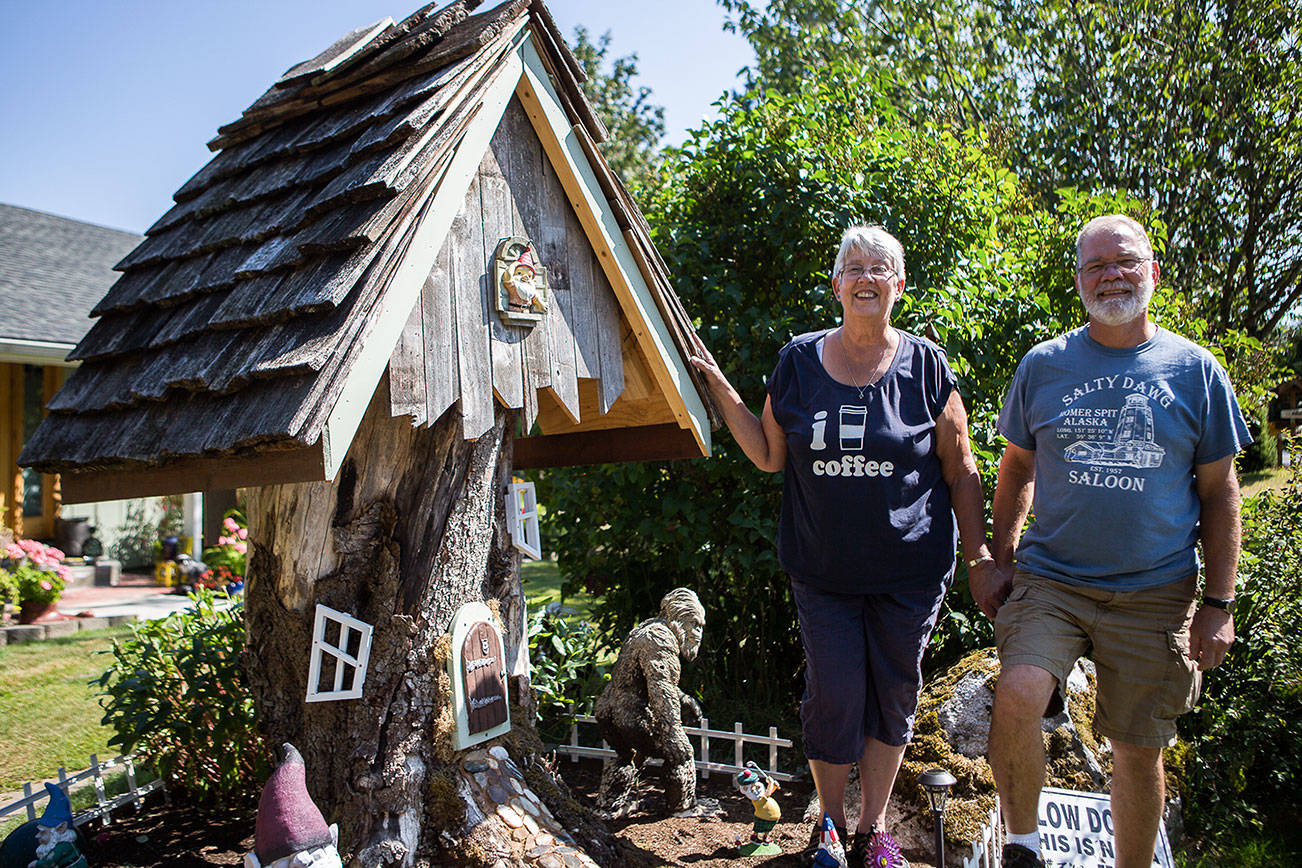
x,y
107,105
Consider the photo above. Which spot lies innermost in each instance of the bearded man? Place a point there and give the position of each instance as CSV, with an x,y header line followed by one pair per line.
x,y
1123,436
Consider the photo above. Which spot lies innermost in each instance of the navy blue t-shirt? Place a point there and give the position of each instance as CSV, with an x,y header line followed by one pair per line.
x,y
865,509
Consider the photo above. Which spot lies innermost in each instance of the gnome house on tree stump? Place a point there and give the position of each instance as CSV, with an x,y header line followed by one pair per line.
x,y
325,319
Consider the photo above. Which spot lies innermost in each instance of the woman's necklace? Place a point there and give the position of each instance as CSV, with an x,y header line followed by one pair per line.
x,y
849,367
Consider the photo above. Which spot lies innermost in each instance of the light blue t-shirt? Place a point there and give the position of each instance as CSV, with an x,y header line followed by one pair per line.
x,y
1117,434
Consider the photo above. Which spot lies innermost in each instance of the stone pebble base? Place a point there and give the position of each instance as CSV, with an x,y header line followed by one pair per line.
x,y
16,633
499,791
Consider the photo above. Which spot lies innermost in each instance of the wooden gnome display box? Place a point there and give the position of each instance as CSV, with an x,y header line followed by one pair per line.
x,y
407,273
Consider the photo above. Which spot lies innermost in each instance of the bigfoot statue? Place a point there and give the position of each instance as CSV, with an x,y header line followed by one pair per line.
x,y
641,710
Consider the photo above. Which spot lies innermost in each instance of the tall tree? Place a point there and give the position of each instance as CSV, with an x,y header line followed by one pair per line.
x,y
748,219
636,125
1193,106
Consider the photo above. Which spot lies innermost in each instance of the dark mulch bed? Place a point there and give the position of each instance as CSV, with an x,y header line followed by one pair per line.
x,y
180,835
176,835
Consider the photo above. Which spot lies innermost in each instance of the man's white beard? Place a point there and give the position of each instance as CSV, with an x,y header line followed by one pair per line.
x,y
1120,310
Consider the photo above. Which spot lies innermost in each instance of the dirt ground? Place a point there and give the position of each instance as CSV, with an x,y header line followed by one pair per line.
x,y
182,836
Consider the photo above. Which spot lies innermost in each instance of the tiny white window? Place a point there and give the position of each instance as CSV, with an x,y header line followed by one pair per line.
x,y
522,518
341,647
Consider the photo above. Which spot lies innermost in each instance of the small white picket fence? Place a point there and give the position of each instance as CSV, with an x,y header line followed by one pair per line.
x,y
575,749
986,849
104,806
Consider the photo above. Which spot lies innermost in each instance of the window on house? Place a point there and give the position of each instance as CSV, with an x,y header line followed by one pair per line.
x,y
33,407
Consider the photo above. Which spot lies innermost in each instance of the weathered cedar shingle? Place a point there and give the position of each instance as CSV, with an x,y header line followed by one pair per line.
x,y
242,312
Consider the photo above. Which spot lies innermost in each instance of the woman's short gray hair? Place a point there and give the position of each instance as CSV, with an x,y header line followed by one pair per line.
x,y
873,241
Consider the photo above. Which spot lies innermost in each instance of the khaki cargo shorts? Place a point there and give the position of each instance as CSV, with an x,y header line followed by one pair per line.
x,y
1138,640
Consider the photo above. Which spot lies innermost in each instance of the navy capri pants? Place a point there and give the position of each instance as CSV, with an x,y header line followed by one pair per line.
x,y
863,666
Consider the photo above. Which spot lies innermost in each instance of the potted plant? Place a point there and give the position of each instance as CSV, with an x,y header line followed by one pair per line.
x,y
33,577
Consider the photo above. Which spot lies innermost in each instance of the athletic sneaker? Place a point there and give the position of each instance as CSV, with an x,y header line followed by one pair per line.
x,y
876,850
1017,856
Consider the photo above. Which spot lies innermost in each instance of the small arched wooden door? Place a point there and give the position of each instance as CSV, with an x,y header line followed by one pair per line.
x,y
483,671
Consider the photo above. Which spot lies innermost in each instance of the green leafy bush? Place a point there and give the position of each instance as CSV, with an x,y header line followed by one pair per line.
x,y
1242,763
567,656
176,694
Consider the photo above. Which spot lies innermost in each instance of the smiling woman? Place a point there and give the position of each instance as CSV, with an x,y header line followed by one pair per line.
x,y
867,426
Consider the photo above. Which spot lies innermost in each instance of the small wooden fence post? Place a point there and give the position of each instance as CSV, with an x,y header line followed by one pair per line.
x,y
704,770
104,806
704,766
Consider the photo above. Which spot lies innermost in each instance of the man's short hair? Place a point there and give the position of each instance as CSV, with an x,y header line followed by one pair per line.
x,y
1108,221
873,240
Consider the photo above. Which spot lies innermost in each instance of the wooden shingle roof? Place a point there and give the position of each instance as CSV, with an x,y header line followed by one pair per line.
x,y
258,302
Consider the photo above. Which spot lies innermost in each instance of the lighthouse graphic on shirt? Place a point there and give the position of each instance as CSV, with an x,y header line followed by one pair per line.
x,y
1133,444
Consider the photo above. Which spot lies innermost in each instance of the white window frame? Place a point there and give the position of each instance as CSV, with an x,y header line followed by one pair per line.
x,y
522,519
345,663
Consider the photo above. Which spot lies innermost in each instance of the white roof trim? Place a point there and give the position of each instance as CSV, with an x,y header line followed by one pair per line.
x,y
621,268
23,352
404,288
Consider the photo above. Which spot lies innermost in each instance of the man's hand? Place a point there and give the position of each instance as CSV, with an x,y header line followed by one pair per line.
x,y
989,586
1210,636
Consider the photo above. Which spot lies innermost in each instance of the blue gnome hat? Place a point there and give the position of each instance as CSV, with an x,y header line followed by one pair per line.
x,y
58,811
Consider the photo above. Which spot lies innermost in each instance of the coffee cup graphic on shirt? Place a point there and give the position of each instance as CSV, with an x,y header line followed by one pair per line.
x,y
852,424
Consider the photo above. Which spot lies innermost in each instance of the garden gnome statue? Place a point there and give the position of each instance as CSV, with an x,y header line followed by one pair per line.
x,y
56,837
831,852
290,831
759,788
641,710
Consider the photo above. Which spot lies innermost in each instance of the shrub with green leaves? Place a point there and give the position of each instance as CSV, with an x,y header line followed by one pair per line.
x,y
176,694
567,657
1242,762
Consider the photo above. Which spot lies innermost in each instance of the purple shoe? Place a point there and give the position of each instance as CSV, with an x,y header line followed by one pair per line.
x,y
876,850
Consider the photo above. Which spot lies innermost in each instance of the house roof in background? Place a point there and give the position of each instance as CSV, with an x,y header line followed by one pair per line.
x,y
52,271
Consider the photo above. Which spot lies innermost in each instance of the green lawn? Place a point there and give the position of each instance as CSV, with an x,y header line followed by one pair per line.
x,y
48,713
1261,480
542,585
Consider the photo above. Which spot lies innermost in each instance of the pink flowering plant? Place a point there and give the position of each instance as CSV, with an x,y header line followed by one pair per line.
x,y
32,572
232,546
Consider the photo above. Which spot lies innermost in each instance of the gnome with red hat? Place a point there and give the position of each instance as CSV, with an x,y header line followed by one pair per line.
x,y
522,283
291,832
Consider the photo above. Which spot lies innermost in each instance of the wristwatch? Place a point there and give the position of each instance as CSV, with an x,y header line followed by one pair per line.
x,y
972,563
1218,603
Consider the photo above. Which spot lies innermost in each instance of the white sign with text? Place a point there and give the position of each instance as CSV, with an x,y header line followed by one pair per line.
x,y
1076,829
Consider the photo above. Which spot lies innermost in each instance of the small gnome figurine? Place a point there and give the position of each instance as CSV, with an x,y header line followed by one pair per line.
x,y
56,837
759,788
290,831
831,852
522,284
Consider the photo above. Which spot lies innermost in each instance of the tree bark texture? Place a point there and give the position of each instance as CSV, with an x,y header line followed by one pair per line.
x,y
412,528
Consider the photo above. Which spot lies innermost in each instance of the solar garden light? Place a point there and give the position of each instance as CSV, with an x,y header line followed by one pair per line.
x,y
937,783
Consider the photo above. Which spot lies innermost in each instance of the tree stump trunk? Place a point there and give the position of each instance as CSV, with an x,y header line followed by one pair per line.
x,y
412,529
